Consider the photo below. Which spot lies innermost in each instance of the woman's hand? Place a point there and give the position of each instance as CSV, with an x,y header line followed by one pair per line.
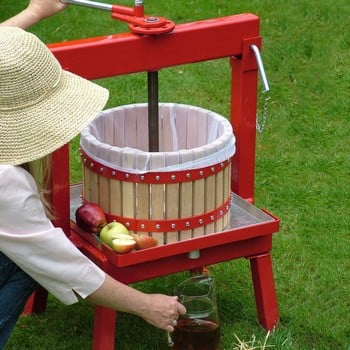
x,y
162,311
45,8
35,12
159,310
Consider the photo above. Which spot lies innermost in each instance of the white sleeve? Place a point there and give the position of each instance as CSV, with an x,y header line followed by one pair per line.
x,y
28,238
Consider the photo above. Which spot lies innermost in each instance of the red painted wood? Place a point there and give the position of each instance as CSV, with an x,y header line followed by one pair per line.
x,y
36,302
60,195
104,328
264,288
126,53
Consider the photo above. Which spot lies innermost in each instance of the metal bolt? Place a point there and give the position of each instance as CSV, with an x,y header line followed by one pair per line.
x,y
157,226
201,173
142,226
173,225
188,175
127,176
142,177
151,19
127,224
173,177
113,173
157,177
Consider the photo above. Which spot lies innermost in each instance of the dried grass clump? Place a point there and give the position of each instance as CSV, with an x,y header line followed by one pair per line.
x,y
252,344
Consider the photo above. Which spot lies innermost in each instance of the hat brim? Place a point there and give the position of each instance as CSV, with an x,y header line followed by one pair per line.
x,y
35,131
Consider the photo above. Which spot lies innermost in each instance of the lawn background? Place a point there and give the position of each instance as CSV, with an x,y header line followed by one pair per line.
x,y
302,173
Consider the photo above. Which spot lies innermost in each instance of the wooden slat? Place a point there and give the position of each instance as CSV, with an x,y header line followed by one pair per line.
x,y
167,134
157,197
94,183
141,128
128,188
198,199
210,190
219,197
119,128
115,187
227,191
142,192
86,182
130,123
186,194
172,197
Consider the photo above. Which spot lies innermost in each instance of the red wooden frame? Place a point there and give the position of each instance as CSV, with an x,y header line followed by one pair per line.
x,y
127,53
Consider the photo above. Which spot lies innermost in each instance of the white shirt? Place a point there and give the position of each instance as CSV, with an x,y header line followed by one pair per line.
x,y
30,240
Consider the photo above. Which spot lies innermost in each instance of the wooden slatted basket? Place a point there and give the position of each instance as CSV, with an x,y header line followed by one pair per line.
x,y
180,192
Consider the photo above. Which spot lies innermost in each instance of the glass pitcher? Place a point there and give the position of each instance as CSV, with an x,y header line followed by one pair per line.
x,y
199,328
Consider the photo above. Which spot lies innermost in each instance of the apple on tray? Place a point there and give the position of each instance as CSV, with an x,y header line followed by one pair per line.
x,y
144,241
117,236
90,217
111,230
123,243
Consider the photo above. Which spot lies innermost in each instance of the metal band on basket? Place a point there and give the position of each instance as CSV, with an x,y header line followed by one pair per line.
x,y
153,177
170,225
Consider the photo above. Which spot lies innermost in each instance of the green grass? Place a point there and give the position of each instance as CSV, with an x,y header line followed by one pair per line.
x,y
302,173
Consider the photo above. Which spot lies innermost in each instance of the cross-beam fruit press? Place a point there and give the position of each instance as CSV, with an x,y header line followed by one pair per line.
x,y
215,227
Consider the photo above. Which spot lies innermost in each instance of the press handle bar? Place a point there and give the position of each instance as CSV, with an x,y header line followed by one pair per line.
x,y
88,3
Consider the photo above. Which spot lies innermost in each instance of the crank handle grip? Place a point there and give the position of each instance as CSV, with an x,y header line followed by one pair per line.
x,y
259,61
88,3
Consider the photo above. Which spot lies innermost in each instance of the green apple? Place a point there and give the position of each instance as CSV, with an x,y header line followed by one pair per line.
x,y
123,245
111,231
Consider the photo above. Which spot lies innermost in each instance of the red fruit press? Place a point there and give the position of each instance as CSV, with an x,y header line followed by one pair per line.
x,y
246,231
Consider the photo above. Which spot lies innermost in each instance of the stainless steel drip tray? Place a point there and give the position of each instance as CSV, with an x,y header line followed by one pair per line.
x,y
242,212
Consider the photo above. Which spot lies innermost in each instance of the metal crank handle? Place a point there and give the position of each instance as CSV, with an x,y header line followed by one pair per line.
x,y
87,3
260,67
134,16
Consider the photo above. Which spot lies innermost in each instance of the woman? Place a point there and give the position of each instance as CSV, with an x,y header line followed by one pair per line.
x,y
42,107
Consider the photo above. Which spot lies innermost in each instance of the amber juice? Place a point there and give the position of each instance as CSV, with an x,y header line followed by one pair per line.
x,y
196,334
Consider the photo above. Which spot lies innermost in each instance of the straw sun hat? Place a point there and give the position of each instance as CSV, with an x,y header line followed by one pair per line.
x,y
42,107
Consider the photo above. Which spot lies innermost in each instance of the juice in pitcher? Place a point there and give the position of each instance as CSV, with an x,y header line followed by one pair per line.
x,y
199,328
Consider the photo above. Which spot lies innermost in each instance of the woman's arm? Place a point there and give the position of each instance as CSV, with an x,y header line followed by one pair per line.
x,y
45,253
35,12
157,309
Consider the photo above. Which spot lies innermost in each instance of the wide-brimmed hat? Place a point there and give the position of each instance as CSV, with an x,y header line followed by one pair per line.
x,y
42,106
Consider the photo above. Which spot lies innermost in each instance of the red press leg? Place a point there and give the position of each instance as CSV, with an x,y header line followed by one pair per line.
x,y
264,288
36,303
104,328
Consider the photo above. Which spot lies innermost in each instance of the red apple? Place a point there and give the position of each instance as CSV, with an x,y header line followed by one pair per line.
x,y
144,241
90,217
